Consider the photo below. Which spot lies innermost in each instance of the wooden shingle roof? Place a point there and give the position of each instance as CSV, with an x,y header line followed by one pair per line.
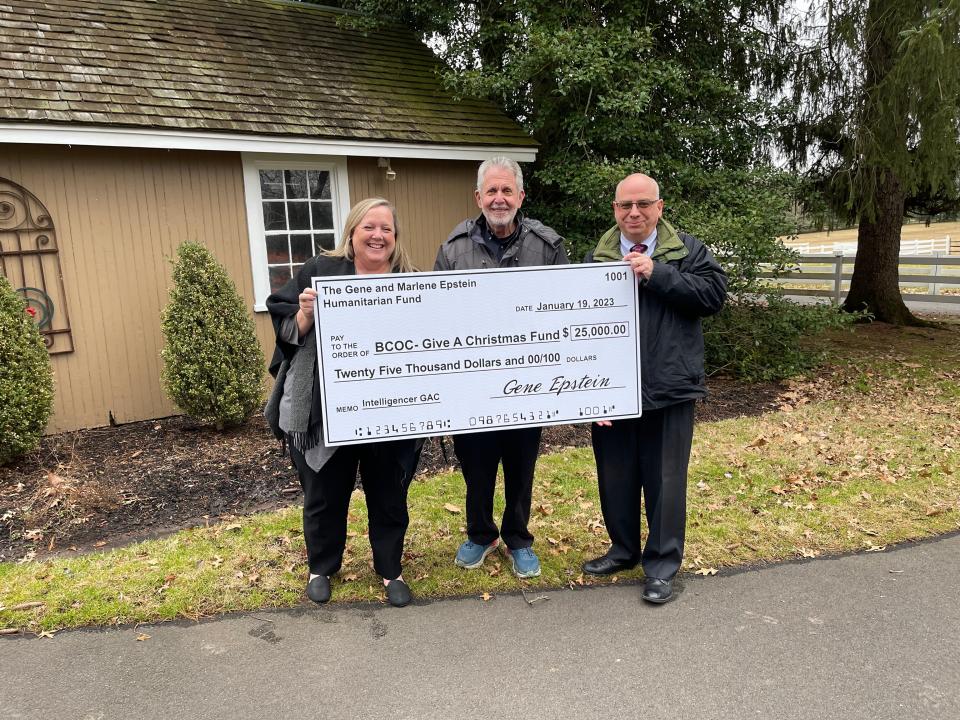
x,y
264,67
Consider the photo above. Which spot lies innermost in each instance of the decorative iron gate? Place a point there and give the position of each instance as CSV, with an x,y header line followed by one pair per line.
x,y
30,261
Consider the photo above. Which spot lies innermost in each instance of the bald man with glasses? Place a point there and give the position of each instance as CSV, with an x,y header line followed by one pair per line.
x,y
644,460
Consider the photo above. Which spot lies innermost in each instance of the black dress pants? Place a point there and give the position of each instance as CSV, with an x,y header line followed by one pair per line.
x,y
385,473
479,455
646,456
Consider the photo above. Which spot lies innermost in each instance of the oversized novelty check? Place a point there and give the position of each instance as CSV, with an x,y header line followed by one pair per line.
x,y
420,354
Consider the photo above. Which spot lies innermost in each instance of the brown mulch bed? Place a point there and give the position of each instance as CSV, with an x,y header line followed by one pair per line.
x,y
107,486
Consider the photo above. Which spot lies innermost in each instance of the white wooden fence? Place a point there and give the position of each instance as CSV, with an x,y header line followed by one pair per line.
x,y
923,278
927,246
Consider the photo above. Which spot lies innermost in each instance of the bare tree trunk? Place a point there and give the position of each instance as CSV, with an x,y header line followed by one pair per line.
x,y
875,283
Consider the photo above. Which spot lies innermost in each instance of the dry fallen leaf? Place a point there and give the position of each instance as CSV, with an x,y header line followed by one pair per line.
x,y
232,526
451,508
142,636
486,597
705,571
350,578
9,631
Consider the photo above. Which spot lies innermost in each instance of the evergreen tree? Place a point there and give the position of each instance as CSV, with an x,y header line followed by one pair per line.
x,y
213,365
608,88
875,90
26,381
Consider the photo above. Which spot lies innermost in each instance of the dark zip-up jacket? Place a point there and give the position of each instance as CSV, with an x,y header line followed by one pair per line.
x,y
465,249
686,284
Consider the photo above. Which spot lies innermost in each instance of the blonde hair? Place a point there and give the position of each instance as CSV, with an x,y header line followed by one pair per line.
x,y
399,259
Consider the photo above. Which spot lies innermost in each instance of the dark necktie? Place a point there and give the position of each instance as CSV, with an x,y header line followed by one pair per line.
x,y
639,247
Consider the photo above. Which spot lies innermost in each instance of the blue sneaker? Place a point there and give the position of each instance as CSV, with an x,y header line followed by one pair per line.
x,y
525,562
470,555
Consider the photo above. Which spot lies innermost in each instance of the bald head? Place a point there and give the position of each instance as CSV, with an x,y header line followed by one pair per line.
x,y
637,206
641,182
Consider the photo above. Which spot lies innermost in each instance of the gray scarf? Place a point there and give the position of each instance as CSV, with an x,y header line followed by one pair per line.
x,y
302,369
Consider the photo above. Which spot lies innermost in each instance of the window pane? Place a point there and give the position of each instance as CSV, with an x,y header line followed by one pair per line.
x,y
324,241
301,249
274,218
279,276
277,251
271,184
299,215
296,183
322,215
319,185
296,268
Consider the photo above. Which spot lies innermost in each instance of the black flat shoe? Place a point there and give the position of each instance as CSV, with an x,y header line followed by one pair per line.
x,y
605,565
657,590
318,589
398,593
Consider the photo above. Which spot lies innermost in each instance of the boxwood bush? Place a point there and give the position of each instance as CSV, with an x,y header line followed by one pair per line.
x,y
26,381
762,337
213,366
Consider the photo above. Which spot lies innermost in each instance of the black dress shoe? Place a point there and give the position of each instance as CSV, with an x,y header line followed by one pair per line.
x,y
605,565
398,593
318,589
657,590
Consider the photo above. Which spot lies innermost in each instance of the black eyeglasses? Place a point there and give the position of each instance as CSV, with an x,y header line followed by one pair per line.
x,y
627,205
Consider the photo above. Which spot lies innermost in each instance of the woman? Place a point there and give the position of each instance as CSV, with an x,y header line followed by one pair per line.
x,y
370,245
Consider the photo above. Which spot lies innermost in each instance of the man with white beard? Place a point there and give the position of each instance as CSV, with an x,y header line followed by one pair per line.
x,y
501,237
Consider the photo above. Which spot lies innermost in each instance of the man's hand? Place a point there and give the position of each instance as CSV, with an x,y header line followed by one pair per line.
x,y
604,423
642,264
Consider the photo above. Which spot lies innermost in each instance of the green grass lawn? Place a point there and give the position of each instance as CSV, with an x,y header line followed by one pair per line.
x,y
862,455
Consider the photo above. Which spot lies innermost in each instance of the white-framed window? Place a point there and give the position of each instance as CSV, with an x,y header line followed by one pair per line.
x,y
296,206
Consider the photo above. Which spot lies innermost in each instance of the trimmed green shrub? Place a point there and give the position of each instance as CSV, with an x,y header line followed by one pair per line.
x,y
26,381
762,338
213,366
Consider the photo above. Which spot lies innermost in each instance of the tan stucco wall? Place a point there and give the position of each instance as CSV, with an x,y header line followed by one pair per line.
x,y
120,214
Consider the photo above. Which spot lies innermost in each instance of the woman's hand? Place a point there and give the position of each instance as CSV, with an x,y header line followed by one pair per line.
x,y
307,300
